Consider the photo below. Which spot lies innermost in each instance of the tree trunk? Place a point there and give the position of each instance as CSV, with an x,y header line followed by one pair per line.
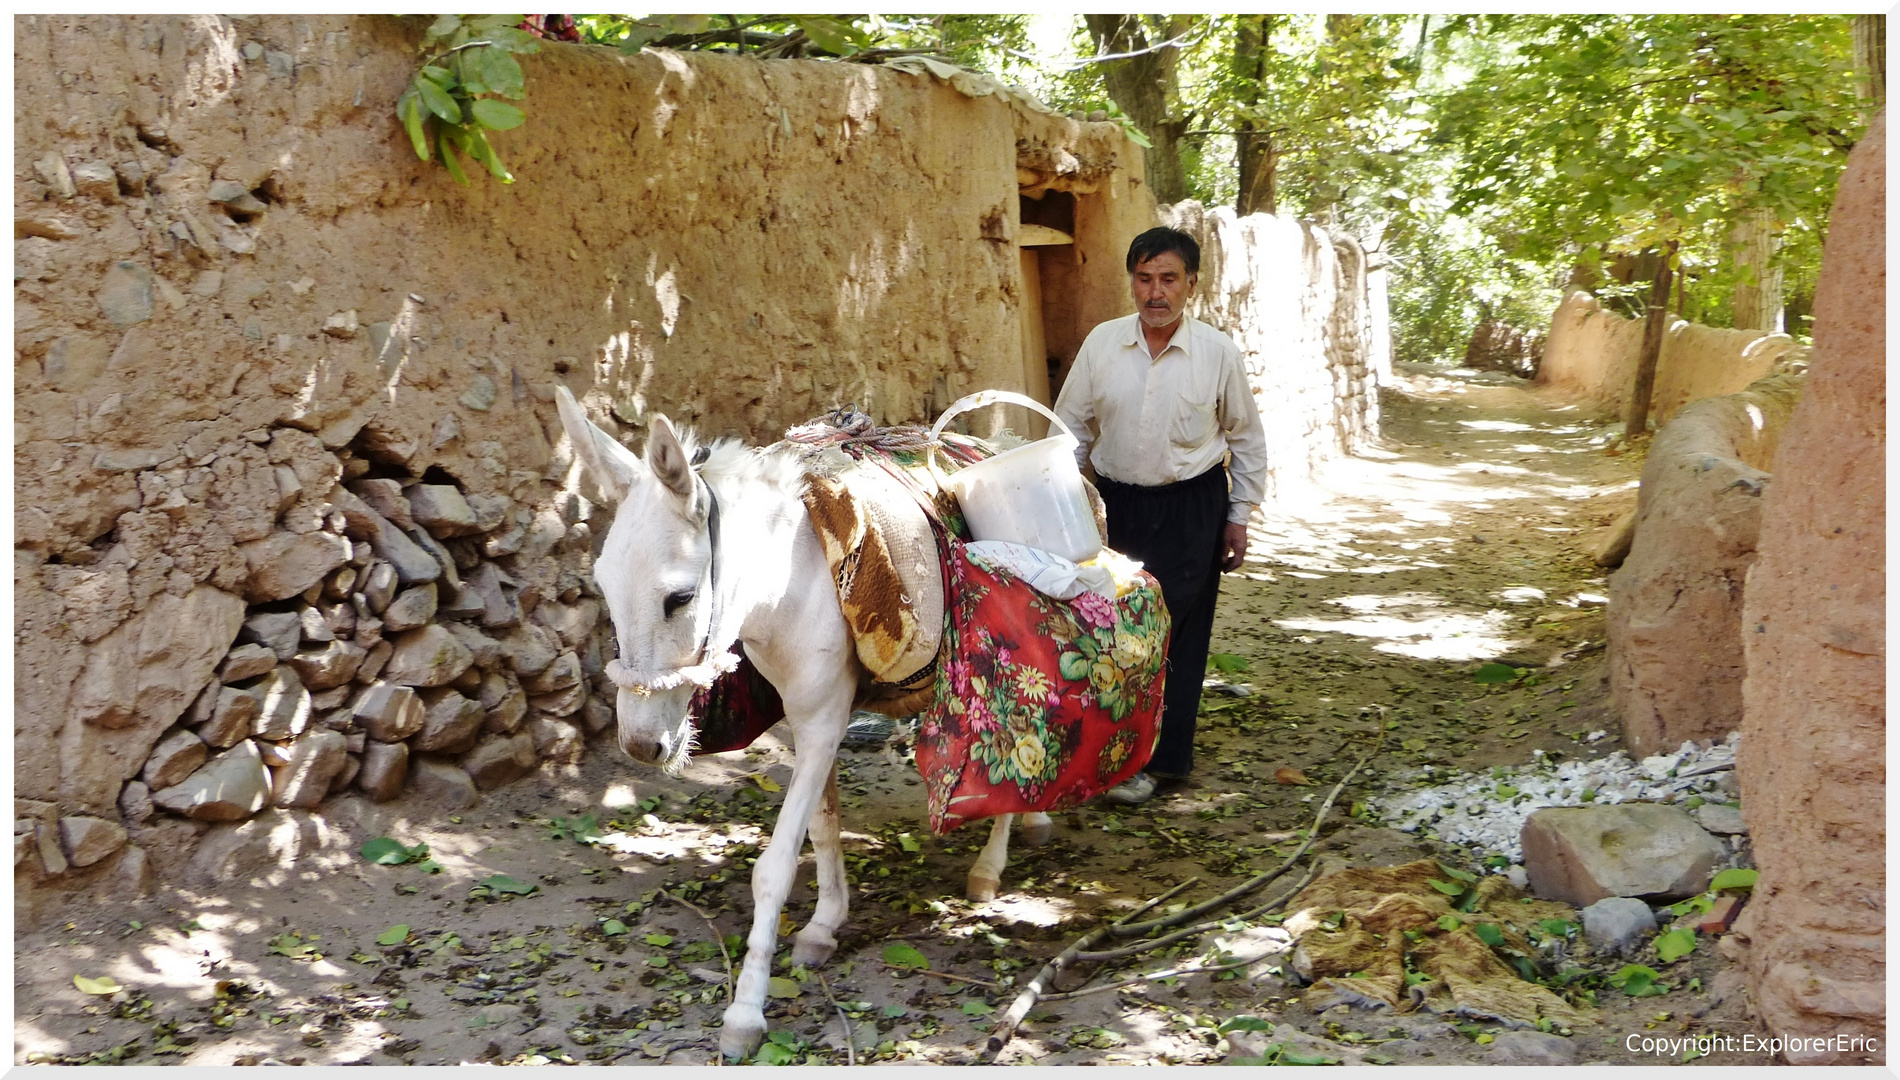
x,y
1655,322
1870,62
1253,145
1757,300
1144,87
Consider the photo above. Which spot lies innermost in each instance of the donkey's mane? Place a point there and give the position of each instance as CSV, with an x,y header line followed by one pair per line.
x,y
730,460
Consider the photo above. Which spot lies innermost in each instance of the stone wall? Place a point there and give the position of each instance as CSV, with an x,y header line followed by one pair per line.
x,y
1675,618
1591,355
293,509
1295,298
1813,754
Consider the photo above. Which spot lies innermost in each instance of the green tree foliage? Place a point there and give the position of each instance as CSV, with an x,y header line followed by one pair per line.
x,y
455,99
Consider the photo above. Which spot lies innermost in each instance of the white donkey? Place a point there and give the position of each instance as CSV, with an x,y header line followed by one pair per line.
x,y
708,548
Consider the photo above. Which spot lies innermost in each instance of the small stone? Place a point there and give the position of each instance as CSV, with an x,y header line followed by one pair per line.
x,y
230,787
313,627
342,583
233,715
343,324
96,180
176,756
596,715
480,395
372,665
379,586
490,510
389,713
278,631
1617,925
507,540
483,648
563,673
340,618
1721,820
315,759
86,840
247,662
527,649
332,665
283,705
444,784
126,294
135,803
506,715
500,760
280,64
557,740
441,509
252,51
385,767
572,623
415,607
286,564
236,196
46,838
450,723
428,656
352,764
331,699
561,703
1530,1048
1583,854
385,497
356,740
463,602
500,596
274,755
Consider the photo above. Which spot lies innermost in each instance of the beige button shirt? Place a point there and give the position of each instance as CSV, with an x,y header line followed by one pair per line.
x,y
1160,420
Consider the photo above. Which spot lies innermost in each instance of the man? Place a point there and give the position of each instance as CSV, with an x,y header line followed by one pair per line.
x,y
1157,400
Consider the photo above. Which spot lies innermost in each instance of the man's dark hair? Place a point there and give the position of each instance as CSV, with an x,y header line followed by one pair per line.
x,y
1160,241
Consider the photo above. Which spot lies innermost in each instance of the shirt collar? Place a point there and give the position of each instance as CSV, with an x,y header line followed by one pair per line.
x,y
1132,339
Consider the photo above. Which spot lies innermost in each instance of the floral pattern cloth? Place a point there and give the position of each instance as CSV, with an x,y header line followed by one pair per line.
x,y
1041,704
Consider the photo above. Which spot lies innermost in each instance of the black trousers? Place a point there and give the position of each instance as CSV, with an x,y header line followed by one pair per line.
x,y
1175,531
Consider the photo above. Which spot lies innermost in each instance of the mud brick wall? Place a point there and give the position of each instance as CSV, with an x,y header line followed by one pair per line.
x,y
1813,756
1591,355
1311,322
294,514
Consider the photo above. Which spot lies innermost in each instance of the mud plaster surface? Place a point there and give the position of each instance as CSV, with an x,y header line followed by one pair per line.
x,y
1395,586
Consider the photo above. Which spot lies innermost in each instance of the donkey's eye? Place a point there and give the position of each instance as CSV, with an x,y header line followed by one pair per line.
x,y
678,600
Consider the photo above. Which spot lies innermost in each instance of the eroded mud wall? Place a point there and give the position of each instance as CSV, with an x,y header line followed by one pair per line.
x,y
1296,299
1675,619
293,512
1591,355
1813,757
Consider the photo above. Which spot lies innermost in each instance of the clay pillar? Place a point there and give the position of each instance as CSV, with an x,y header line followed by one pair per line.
x,y
1813,749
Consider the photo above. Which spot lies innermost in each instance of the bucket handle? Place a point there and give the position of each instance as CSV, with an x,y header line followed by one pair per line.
x,y
977,401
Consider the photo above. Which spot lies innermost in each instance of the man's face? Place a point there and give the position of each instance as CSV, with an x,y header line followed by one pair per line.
x,y
1161,287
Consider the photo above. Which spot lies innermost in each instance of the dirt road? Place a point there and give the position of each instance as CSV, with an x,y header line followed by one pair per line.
x,y
1463,538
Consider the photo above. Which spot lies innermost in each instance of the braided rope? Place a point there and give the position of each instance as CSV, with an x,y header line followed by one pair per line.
x,y
643,683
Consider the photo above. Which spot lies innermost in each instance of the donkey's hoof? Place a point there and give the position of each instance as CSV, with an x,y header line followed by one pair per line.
x,y
812,948
981,890
743,1031
1037,829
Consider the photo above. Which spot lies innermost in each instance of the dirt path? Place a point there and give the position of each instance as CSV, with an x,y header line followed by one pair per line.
x,y
1464,538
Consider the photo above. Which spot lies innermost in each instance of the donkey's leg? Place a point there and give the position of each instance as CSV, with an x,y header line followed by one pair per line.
x,y
771,883
819,937
987,875
1037,828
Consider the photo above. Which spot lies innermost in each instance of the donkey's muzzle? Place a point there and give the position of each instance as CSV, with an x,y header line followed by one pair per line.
x,y
646,751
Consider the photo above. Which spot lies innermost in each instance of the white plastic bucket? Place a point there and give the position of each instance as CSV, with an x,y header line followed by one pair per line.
x,y
1030,495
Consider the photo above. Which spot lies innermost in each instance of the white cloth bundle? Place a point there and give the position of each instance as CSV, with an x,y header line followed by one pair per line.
x,y
1046,572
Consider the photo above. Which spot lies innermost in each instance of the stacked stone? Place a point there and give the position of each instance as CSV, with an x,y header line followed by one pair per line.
x,y
413,644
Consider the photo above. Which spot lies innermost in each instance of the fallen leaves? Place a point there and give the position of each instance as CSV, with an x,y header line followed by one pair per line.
x,y
1291,776
101,986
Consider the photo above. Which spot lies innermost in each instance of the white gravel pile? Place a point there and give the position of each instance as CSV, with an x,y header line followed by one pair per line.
x,y
1486,811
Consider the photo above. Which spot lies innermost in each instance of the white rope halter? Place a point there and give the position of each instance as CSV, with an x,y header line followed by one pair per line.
x,y
711,665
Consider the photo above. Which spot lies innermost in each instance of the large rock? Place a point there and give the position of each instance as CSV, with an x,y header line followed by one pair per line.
x,y
283,705
441,509
333,665
173,759
1581,855
562,702
557,740
1530,1048
379,586
86,840
414,607
385,497
570,622
450,721
233,716
596,715
487,654
1813,754
411,563
502,759
372,665
134,683
389,713
385,767
428,656
248,662
284,564
527,649
315,758
443,784
278,631
230,787
564,673
499,595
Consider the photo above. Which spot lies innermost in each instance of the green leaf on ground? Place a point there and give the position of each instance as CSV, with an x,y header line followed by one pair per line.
x,y
1465,876
909,843
102,986
613,928
1229,664
1494,673
1734,879
1638,980
660,940
1488,933
395,935
502,883
976,1007
904,956
1449,922
1446,887
1243,1022
385,851
782,987
1675,944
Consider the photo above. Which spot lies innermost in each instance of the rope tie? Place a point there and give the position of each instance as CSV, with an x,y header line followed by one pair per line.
x,y
644,683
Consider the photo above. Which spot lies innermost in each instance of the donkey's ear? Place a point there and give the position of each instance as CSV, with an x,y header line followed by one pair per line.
x,y
667,459
613,467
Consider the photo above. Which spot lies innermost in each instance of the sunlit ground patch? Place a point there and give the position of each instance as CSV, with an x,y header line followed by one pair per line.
x,y
1496,425
1425,635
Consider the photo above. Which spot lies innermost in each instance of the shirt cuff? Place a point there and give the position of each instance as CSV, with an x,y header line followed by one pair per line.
x,y
1239,513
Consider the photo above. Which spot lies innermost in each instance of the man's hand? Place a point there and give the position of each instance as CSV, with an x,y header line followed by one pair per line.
x,y
1233,546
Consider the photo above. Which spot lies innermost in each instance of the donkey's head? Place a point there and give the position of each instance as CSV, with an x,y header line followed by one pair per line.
x,y
654,571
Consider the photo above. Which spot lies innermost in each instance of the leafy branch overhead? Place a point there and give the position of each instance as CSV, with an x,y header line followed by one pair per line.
x,y
455,99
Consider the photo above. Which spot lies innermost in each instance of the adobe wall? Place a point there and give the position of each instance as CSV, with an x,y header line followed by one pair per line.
x,y
1298,302
1813,755
1675,617
1591,356
293,510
